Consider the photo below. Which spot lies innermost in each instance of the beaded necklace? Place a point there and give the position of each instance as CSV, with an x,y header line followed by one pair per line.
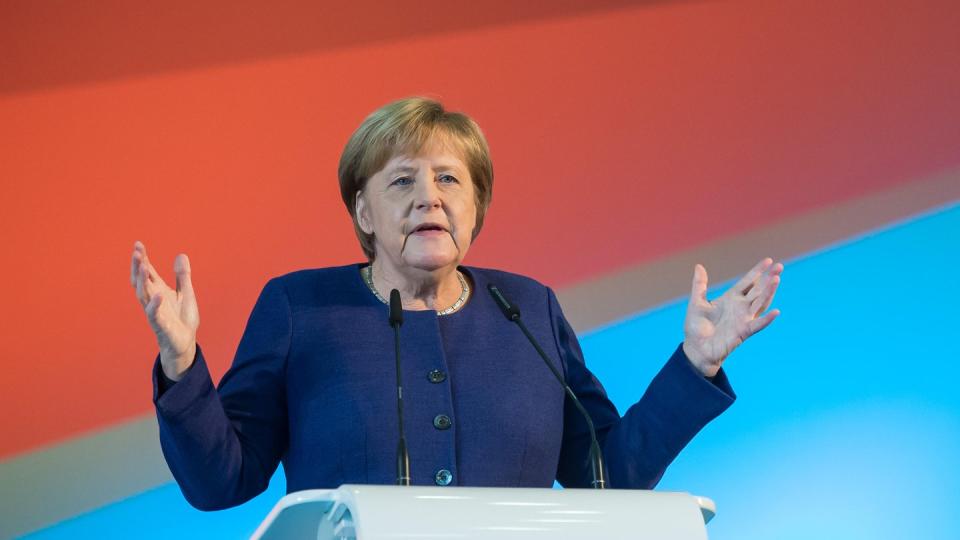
x,y
367,273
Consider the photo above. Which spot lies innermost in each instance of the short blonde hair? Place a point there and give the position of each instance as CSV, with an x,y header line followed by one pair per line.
x,y
406,127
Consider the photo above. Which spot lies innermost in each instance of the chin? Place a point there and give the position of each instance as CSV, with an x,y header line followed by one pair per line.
x,y
431,261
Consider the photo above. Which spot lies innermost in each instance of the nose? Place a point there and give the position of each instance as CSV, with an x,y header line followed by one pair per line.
x,y
427,194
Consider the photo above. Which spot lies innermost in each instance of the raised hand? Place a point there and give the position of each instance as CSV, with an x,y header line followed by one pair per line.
x,y
172,314
712,330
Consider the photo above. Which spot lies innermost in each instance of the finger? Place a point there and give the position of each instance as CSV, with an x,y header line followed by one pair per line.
x,y
698,290
758,288
762,301
154,316
135,262
757,325
152,308
750,278
141,286
154,276
134,268
139,247
148,285
768,276
145,261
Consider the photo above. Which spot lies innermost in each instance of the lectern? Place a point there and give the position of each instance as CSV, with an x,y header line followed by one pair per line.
x,y
392,512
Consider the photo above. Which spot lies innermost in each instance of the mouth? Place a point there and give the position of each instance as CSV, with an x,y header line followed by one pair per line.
x,y
429,229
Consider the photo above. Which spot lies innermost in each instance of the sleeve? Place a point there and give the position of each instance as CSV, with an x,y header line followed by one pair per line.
x,y
639,446
223,445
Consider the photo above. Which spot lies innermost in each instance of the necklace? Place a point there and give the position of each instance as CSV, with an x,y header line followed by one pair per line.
x,y
367,273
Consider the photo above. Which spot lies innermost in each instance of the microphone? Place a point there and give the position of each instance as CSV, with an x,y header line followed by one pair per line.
x,y
512,313
403,457
396,309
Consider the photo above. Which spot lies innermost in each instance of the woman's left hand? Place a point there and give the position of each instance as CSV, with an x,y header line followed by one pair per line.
x,y
712,330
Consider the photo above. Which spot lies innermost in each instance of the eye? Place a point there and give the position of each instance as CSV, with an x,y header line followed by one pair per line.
x,y
447,179
402,181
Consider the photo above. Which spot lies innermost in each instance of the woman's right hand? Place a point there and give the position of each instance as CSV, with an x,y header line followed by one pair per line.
x,y
172,314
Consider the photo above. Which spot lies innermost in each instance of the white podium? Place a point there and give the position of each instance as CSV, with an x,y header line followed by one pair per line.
x,y
380,512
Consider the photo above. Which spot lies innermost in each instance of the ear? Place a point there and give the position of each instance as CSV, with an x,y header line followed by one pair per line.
x,y
363,218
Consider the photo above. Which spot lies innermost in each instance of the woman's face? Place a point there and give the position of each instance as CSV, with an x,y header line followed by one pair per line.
x,y
421,209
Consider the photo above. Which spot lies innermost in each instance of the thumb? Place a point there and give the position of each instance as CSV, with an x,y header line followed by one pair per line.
x,y
188,299
181,267
698,290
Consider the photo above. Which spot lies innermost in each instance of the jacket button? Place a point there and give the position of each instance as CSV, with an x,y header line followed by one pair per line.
x,y
443,477
436,376
442,421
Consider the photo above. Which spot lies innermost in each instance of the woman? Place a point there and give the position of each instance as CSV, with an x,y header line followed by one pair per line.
x,y
313,382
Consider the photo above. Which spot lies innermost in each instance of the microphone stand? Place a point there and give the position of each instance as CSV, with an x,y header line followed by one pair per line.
x,y
403,457
512,313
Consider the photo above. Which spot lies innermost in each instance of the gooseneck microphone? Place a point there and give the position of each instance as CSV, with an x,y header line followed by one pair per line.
x,y
403,457
512,313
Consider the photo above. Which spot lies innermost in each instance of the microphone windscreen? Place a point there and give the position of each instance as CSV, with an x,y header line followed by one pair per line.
x,y
396,308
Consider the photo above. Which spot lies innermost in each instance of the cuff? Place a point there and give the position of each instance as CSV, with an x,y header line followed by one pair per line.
x,y
719,380
174,397
691,391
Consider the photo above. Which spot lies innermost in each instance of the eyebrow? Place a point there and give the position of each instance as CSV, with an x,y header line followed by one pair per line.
x,y
403,169
410,169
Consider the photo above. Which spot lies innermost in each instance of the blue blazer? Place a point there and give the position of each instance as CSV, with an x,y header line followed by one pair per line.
x,y
313,385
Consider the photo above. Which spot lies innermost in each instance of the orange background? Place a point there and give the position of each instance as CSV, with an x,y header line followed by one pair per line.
x,y
620,132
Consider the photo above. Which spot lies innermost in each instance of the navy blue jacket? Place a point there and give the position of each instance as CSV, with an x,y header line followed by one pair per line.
x,y
313,385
